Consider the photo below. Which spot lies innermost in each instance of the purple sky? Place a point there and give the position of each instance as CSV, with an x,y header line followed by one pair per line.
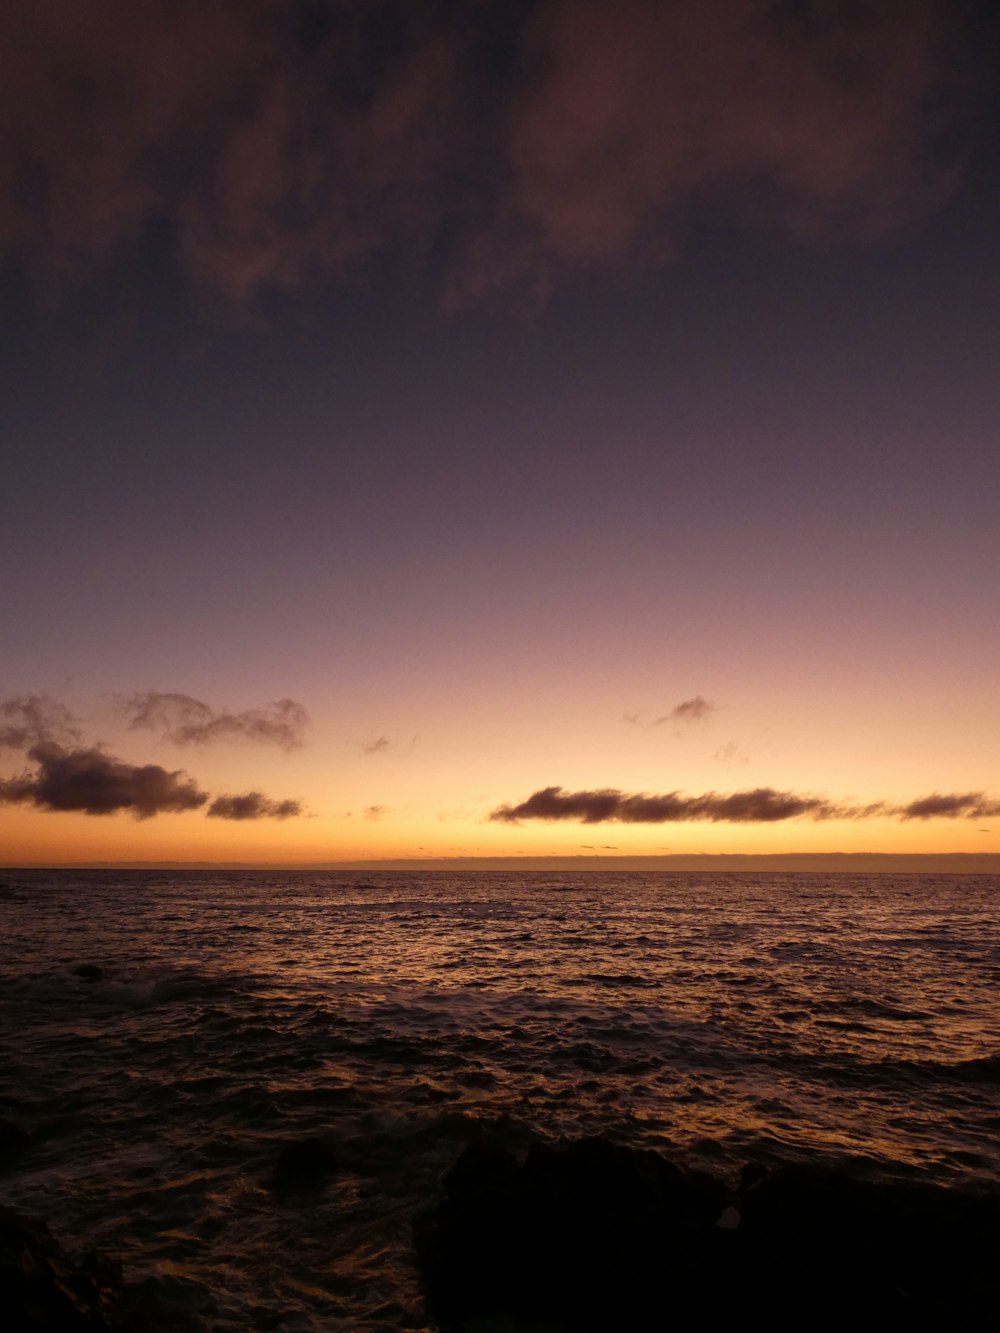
x,y
483,379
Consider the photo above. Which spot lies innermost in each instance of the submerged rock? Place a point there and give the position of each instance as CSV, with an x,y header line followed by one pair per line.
x,y
14,1143
303,1166
89,972
42,1289
592,1235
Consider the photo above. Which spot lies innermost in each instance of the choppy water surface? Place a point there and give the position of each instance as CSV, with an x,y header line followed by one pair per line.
x,y
720,1018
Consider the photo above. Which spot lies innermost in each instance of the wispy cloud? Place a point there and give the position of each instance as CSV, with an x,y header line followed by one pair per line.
x,y
730,753
376,811
690,710
31,719
95,783
252,805
761,805
378,746
184,720
384,744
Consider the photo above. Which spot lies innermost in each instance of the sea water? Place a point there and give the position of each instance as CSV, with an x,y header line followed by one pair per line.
x,y
164,1035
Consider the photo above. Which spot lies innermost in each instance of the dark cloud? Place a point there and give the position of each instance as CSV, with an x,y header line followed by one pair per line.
x,y
276,139
691,710
377,746
376,811
184,720
31,719
634,115
98,784
971,805
277,142
252,805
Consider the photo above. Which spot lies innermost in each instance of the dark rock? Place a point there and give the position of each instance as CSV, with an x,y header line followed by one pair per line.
x,y
41,1289
482,1169
886,1248
751,1174
303,1166
585,1232
593,1235
89,972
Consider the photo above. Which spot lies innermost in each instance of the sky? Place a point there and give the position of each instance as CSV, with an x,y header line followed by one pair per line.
x,y
550,428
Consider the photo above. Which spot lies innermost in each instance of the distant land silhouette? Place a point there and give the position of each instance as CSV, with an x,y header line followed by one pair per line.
x,y
820,863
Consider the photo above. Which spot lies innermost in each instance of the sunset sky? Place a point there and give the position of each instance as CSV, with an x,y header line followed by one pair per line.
x,y
409,409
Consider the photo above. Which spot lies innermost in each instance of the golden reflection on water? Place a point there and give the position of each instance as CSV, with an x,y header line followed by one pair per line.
x,y
719,1019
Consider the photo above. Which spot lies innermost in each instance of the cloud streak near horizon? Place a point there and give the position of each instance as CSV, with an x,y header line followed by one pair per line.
x,y
275,142
969,805
761,805
252,805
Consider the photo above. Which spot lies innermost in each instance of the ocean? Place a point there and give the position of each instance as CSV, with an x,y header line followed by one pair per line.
x,y
164,1035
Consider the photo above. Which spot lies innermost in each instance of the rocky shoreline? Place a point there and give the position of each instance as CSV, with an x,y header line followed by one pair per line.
x,y
588,1234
